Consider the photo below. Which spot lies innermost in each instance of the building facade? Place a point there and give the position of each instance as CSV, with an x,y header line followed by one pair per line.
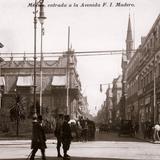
x,y
16,83
143,78
117,94
109,105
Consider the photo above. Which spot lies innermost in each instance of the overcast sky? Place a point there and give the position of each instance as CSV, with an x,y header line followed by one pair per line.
x,y
92,28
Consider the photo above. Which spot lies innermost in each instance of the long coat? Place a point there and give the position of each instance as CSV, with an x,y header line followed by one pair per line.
x,y
38,137
58,130
66,136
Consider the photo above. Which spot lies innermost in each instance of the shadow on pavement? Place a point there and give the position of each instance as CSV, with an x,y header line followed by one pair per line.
x,y
73,158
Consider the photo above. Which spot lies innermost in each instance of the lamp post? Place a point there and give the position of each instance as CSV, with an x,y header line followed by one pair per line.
x,y
17,97
35,50
41,20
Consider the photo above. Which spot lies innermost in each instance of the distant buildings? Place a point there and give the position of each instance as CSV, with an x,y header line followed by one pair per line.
x,y
116,97
110,112
109,105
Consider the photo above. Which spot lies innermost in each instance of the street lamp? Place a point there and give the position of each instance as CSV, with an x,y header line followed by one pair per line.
x,y
41,20
35,52
101,86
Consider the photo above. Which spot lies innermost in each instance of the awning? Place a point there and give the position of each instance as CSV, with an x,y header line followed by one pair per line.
x,y
59,81
2,81
24,81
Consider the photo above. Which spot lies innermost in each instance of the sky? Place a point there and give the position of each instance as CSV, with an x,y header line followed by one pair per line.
x,y
91,29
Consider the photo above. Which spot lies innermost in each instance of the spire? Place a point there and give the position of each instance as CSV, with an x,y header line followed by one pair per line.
x,y
129,30
129,40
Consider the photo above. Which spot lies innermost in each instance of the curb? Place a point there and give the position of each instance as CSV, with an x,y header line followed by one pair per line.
x,y
147,140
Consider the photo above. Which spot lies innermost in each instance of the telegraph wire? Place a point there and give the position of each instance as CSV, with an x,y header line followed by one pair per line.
x,y
57,54
75,52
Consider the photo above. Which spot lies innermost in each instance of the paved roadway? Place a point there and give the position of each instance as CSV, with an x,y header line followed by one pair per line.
x,y
115,148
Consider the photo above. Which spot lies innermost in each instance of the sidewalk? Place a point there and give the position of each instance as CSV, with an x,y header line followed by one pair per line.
x,y
23,142
141,137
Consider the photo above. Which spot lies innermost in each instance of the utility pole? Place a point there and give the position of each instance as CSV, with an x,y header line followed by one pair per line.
x,y
41,20
17,112
154,92
155,108
35,57
67,74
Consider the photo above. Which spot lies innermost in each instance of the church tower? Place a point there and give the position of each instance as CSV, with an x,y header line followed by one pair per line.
x,y
129,41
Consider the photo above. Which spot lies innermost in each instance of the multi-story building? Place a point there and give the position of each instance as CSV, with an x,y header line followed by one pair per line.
x,y
117,94
16,83
109,105
143,78
132,88
83,107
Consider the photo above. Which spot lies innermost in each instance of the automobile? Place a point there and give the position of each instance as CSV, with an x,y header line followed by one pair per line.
x,y
126,128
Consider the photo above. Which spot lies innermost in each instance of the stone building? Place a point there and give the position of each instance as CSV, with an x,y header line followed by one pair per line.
x,y
143,79
17,84
132,88
116,96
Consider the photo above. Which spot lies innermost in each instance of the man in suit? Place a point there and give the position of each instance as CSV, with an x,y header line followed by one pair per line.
x,y
58,133
66,136
38,138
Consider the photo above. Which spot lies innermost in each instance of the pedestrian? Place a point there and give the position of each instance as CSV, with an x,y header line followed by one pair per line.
x,y
38,138
66,136
58,133
156,130
85,131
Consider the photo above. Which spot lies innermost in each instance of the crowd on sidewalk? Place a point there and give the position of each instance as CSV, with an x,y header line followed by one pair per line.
x,y
151,131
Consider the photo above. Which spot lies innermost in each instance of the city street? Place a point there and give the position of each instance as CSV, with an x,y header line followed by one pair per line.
x,y
115,148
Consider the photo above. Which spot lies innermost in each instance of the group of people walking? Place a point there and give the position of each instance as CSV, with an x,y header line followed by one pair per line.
x,y
62,132
86,129
63,135
65,131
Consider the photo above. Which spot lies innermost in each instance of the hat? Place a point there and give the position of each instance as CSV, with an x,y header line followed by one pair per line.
x,y
60,115
66,117
34,119
40,117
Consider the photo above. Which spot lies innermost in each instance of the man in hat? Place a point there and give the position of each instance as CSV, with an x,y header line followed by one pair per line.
x,y
38,138
66,136
58,133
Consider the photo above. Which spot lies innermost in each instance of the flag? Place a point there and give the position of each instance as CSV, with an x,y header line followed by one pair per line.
x,y
1,45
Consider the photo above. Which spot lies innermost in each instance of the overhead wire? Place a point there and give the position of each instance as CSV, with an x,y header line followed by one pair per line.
x,y
57,54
